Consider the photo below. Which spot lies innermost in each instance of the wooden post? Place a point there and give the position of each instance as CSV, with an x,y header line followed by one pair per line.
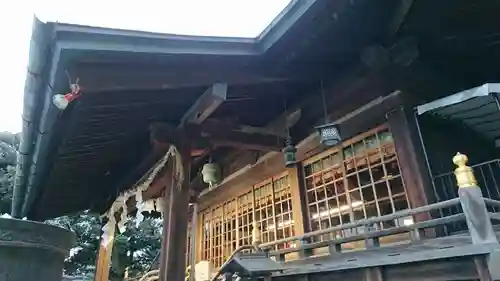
x,y
300,220
478,221
473,205
412,164
193,242
175,230
166,219
105,249
199,237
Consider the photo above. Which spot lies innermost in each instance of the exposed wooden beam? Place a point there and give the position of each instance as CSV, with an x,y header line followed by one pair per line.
x,y
398,19
242,140
277,128
203,136
102,77
241,144
206,104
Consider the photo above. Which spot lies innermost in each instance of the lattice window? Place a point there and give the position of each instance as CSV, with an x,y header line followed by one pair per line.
x,y
206,218
213,235
217,236
264,211
269,202
284,226
245,219
230,228
362,181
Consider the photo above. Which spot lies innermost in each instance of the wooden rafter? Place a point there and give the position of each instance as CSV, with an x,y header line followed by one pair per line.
x,y
206,104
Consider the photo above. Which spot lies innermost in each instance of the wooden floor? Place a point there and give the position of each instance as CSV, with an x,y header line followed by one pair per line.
x,y
433,257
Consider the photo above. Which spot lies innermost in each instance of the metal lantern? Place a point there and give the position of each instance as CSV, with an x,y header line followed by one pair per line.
x,y
210,174
329,134
290,153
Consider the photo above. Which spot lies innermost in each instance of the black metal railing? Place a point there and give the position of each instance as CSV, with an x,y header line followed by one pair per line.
x,y
445,187
488,179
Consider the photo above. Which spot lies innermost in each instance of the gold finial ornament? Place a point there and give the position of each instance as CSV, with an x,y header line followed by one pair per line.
x,y
188,273
256,234
463,173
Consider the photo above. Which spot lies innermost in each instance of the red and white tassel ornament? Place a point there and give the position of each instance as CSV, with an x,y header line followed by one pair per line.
x,y
62,101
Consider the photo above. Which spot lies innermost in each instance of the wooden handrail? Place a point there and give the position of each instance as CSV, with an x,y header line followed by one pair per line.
x,y
373,234
492,202
370,221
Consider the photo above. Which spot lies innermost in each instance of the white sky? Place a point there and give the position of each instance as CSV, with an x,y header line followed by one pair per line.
x,y
242,18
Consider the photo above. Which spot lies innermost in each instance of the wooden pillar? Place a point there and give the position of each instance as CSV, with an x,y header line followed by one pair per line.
x,y
166,218
299,212
104,256
411,159
175,220
199,237
193,240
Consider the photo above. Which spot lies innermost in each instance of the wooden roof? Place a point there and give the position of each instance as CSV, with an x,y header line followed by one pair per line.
x,y
83,157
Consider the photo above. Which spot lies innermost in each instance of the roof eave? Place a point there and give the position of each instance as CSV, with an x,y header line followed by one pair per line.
x,y
81,37
37,132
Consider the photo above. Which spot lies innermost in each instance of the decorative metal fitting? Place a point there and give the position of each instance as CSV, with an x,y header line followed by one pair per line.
x,y
463,173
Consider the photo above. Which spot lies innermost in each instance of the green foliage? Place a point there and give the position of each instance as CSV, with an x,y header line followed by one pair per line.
x,y
7,176
87,228
136,248
10,138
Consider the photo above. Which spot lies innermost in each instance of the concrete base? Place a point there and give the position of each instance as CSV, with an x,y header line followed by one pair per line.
x,y
32,250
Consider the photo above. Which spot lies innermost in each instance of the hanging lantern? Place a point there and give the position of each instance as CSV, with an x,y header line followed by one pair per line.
x,y
290,154
62,101
210,173
329,134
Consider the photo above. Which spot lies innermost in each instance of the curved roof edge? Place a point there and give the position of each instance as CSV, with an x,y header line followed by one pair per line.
x,y
32,108
169,43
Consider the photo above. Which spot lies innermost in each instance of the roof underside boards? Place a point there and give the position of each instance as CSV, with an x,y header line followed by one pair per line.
x,y
478,108
457,38
132,79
